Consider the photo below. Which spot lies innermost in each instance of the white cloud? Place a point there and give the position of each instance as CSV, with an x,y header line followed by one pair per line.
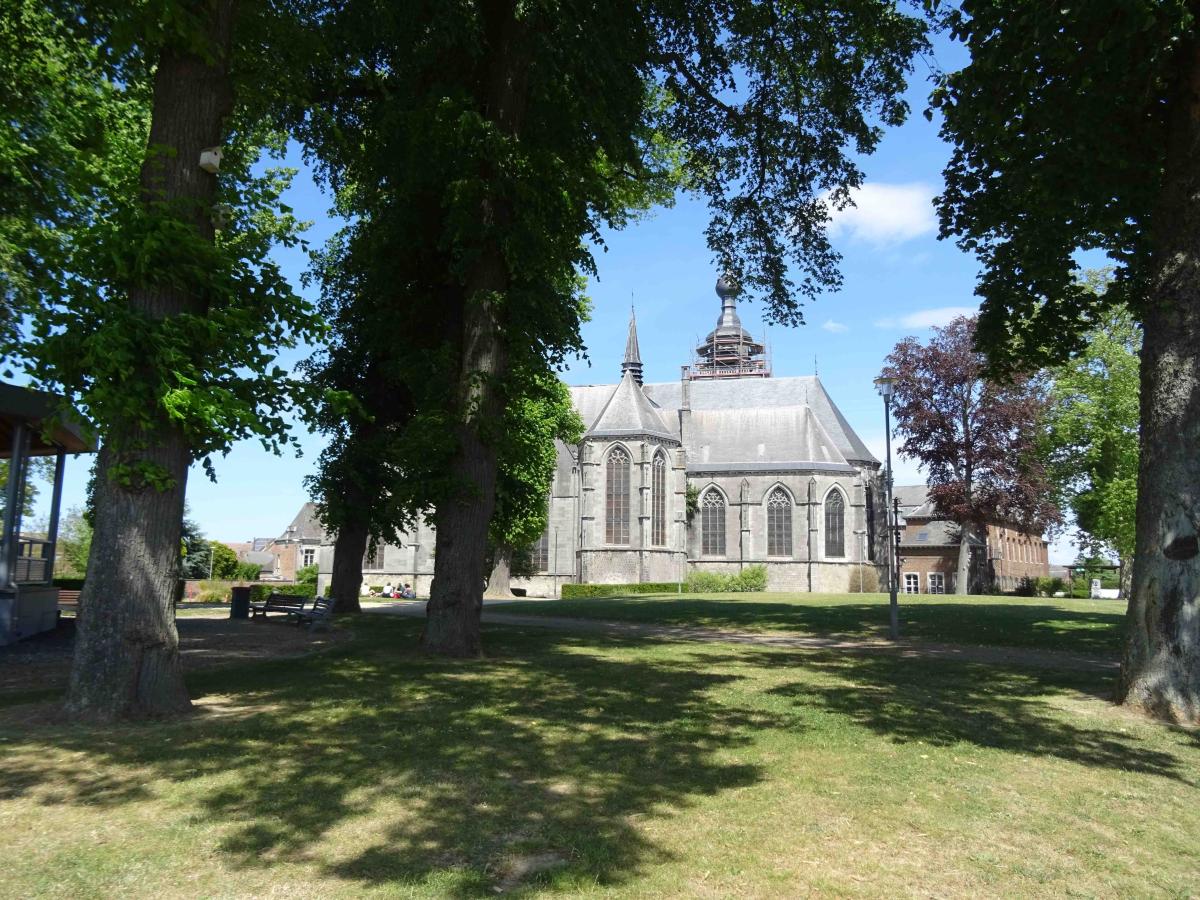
x,y
926,318
885,214
835,327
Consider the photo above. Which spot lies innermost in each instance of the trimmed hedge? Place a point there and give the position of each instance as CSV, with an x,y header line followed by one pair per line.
x,y
260,591
581,591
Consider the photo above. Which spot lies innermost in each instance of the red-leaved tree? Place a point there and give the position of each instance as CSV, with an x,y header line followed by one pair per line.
x,y
976,438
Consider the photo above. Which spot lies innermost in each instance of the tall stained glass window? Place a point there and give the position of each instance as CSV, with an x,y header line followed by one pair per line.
x,y
616,498
835,524
712,523
779,523
658,502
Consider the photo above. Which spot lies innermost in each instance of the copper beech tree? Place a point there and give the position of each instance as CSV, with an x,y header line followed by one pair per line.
x,y
977,438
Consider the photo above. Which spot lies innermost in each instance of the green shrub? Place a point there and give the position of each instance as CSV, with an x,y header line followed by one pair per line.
x,y
752,578
212,596
864,579
582,591
307,574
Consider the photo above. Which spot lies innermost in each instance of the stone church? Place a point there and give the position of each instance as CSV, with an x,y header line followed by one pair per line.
x,y
774,474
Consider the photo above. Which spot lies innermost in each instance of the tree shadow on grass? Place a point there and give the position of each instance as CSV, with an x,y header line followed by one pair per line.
x,y
1040,625
412,770
946,703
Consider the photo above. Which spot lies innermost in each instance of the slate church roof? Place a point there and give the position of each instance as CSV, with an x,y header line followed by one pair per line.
x,y
731,424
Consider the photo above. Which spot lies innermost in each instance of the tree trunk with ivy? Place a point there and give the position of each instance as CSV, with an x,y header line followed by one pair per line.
x,y
1160,673
456,596
126,662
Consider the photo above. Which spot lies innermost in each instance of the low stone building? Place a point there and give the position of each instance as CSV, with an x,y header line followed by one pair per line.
x,y
929,547
775,474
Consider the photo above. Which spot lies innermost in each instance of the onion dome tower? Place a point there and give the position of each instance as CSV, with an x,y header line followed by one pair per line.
x,y
729,351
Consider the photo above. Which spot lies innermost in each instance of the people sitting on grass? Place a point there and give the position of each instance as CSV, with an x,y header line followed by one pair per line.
x,y
407,592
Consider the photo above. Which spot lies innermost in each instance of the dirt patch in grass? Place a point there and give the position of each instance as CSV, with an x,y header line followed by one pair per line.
x,y
43,662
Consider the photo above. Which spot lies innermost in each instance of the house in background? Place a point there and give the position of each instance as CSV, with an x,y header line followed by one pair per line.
x,y
929,550
294,549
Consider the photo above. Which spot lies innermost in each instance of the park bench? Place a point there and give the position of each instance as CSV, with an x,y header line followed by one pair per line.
x,y
322,609
289,604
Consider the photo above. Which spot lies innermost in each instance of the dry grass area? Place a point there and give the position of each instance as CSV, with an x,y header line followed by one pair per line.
x,y
569,764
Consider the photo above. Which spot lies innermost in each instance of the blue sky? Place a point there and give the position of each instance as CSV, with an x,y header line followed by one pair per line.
x,y
899,280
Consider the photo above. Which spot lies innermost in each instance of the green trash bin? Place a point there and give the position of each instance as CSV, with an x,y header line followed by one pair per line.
x,y
239,603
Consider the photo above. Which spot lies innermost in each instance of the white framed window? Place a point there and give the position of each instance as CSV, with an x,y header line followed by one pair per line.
x,y
937,583
309,556
912,583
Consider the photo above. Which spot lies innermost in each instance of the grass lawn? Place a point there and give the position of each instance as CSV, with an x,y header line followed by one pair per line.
x,y
1081,626
591,765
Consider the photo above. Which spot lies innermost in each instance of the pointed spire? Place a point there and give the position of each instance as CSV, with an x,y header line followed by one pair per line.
x,y
633,356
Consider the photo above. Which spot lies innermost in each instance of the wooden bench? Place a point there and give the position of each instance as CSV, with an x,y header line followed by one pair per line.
x,y
288,604
322,609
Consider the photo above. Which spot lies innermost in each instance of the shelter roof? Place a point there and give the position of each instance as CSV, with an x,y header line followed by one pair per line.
x,y
52,431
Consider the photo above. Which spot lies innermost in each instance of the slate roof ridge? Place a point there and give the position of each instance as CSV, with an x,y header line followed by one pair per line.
x,y
630,411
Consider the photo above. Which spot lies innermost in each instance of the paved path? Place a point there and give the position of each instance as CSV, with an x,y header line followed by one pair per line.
x,y
1019,656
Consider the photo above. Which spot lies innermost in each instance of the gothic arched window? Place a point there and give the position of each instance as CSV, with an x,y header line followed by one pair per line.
x,y
658,501
835,524
779,523
616,498
712,523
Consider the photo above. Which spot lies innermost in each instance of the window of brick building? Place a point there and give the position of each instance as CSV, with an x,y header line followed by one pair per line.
x,y
309,556
912,583
937,583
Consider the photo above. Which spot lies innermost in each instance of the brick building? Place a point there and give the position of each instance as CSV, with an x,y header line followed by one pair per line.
x,y
929,551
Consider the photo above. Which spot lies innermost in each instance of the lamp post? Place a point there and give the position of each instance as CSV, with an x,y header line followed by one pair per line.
x,y
886,387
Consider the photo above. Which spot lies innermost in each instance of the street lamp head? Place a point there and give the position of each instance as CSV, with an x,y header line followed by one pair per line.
x,y
886,385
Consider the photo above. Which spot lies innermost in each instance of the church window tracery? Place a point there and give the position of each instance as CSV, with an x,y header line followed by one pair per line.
x,y
616,505
835,524
712,523
779,523
658,501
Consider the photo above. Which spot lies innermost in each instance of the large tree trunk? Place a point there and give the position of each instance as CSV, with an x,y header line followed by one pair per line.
x,y
126,662
346,580
456,595
499,584
962,578
1160,673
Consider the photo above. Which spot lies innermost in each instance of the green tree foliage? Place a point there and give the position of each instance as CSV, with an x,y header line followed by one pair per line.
x,y
224,561
74,545
306,575
1077,127
539,417
481,148
1091,439
247,571
195,548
